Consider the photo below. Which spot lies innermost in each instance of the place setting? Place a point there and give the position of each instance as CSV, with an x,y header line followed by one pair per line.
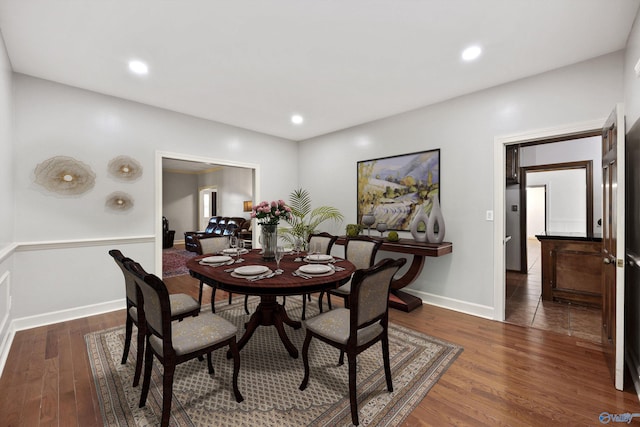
x,y
322,259
253,272
217,260
308,271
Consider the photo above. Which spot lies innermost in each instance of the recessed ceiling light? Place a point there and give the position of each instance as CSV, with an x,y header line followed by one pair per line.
x,y
297,119
471,53
138,67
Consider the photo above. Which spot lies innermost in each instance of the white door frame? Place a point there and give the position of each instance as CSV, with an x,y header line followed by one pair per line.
x,y
158,196
499,179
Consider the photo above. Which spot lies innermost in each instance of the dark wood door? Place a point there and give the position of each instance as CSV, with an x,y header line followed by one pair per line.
x,y
632,272
612,234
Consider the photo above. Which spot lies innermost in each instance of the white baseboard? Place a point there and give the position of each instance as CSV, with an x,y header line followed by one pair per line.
x,y
54,317
65,315
453,304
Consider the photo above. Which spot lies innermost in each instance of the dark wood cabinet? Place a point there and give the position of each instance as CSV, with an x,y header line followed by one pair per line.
x,y
513,164
572,271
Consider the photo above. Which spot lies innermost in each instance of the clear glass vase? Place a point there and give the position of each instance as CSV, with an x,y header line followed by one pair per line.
x,y
269,241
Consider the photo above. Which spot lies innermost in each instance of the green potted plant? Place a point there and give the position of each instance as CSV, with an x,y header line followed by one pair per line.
x,y
304,220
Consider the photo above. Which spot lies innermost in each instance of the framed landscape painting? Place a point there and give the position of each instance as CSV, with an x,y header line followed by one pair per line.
x,y
392,188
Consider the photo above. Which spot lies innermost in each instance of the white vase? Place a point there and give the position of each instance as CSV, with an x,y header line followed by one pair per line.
x,y
435,217
421,217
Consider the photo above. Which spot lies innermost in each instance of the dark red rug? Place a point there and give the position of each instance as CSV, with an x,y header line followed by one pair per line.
x,y
174,262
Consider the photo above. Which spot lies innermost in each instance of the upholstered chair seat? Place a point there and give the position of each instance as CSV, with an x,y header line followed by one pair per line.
x,y
198,333
334,325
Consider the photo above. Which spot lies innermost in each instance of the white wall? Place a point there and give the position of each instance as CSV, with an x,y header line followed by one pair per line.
x,y
180,202
234,187
464,129
53,119
7,193
631,81
6,149
536,210
566,199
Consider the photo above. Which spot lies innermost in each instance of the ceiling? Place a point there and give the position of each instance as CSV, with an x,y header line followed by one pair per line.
x,y
339,63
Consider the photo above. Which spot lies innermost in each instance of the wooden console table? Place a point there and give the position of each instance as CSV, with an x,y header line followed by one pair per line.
x,y
398,299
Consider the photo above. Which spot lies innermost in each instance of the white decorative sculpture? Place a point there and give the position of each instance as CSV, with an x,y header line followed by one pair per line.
x,y
435,217
421,217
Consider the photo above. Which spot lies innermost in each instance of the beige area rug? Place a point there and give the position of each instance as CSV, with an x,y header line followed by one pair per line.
x,y
269,379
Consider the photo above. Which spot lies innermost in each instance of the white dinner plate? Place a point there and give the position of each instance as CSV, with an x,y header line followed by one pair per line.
x,y
251,270
244,276
216,259
234,251
319,258
315,268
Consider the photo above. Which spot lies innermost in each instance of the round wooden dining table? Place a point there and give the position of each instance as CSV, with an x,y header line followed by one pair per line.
x,y
269,312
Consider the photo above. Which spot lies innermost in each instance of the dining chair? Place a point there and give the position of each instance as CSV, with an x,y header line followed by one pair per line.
x,y
182,305
355,329
210,244
323,243
173,343
360,251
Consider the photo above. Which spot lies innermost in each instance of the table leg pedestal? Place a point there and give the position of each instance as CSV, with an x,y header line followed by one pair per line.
x,y
403,301
270,313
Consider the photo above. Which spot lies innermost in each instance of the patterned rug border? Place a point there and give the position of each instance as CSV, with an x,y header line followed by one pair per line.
x,y
376,405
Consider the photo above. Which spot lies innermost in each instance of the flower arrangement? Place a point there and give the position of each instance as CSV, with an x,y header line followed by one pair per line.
x,y
271,213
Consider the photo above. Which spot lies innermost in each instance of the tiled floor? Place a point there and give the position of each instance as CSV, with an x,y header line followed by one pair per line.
x,y
524,305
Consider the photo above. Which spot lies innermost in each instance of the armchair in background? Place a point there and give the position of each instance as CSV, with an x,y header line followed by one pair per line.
x,y
167,235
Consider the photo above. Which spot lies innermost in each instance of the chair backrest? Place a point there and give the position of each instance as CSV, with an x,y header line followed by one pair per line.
x,y
129,280
154,302
165,224
213,244
370,292
361,251
325,240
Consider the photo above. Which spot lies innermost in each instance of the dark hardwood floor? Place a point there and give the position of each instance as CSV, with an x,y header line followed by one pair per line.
x,y
507,374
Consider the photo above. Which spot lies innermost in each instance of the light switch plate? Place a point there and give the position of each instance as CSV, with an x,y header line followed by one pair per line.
x,y
489,215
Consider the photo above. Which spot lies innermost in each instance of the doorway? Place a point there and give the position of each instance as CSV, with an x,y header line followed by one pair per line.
x,y
207,205
568,201
203,162
557,198
589,128
536,210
